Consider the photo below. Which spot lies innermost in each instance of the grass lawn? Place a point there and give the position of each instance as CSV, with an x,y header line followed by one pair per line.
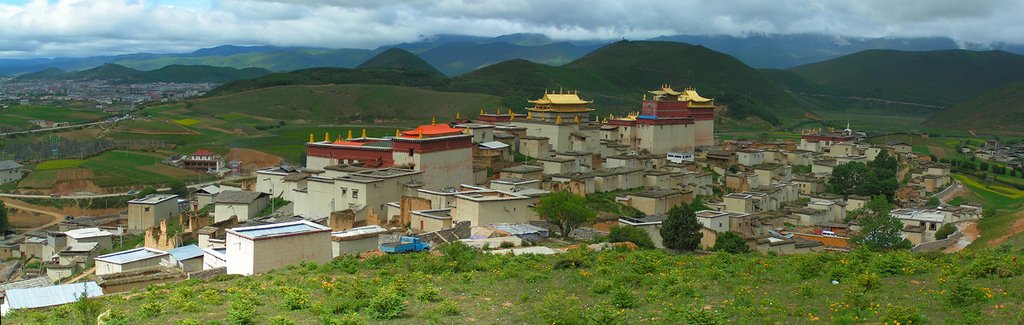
x,y
580,287
126,168
993,195
997,226
40,179
186,121
59,164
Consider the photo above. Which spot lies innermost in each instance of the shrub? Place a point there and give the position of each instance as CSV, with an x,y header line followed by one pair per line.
x,y
731,242
896,314
448,308
387,304
945,231
295,298
601,286
960,293
346,319
151,309
187,321
242,311
634,235
605,315
281,320
703,316
507,244
428,292
622,298
867,282
557,307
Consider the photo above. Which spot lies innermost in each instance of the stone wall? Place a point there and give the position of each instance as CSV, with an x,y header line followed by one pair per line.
x,y
937,245
206,274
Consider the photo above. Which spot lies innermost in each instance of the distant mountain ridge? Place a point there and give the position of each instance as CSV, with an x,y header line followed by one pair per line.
x,y
398,59
940,78
458,54
999,109
171,73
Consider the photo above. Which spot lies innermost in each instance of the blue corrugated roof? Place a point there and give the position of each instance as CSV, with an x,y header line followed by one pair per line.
x,y
275,230
52,295
647,117
131,255
186,252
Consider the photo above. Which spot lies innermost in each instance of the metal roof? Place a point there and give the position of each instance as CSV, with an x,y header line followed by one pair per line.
x,y
519,229
372,229
245,197
9,164
43,281
494,145
131,255
87,233
52,295
186,252
278,229
153,199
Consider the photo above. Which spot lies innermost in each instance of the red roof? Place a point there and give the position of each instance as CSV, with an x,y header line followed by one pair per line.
x,y
431,131
203,152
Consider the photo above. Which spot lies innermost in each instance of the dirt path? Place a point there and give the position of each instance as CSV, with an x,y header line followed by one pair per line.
x,y
971,233
1016,228
960,190
80,276
15,204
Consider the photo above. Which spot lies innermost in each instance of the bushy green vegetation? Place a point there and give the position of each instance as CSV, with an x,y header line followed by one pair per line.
x,y
635,235
566,210
877,177
610,287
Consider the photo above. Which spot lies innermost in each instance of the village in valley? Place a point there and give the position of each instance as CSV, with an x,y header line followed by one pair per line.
x,y
415,163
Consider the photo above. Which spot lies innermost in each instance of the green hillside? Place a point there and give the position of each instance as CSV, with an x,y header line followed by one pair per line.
x,y
337,104
462,286
398,59
999,109
935,77
171,73
617,75
333,76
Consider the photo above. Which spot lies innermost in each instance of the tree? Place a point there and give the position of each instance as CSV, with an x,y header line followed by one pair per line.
x,y
681,230
3,218
634,235
884,161
179,189
566,210
730,242
933,202
879,230
945,231
847,178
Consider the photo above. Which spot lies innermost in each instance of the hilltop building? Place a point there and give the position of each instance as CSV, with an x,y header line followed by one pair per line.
x,y
672,121
442,152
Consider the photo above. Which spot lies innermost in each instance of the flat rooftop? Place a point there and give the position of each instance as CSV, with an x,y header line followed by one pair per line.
x,y
131,255
278,229
154,199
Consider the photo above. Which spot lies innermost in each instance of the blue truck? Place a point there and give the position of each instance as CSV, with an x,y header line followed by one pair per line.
x,y
404,245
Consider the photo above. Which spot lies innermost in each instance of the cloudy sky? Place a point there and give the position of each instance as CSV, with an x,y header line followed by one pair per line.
x,y
41,28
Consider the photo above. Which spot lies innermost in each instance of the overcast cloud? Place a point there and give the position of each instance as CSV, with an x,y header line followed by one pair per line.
x,y
43,28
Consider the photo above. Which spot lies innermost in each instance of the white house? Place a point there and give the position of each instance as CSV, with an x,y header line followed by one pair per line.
x,y
258,249
356,240
187,258
90,235
10,171
244,204
129,260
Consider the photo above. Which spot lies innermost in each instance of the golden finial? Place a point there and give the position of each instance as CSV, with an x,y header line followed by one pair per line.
x,y
576,119
338,139
327,136
605,120
560,91
364,133
529,115
349,135
481,111
510,111
497,111
558,119
311,138
645,96
458,116
597,119
421,134
465,131
398,133
433,120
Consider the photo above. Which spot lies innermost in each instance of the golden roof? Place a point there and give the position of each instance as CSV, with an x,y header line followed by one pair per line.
x,y
561,99
689,94
665,90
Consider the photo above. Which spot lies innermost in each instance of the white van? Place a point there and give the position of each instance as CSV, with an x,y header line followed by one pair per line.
x,y
828,233
678,157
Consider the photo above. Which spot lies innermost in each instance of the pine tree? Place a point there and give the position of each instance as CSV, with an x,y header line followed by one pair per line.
x,y
3,218
681,230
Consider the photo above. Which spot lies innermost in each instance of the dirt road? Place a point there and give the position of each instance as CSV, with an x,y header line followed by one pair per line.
x,y
14,204
971,233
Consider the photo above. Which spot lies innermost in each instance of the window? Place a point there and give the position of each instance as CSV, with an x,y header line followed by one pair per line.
x,y
355,194
147,209
344,190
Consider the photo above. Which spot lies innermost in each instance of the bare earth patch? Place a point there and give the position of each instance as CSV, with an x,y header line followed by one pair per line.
x,y
937,151
75,180
971,233
252,159
22,220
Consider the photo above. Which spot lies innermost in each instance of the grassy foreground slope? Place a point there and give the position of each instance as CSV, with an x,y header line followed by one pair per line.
x,y
1002,109
584,287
